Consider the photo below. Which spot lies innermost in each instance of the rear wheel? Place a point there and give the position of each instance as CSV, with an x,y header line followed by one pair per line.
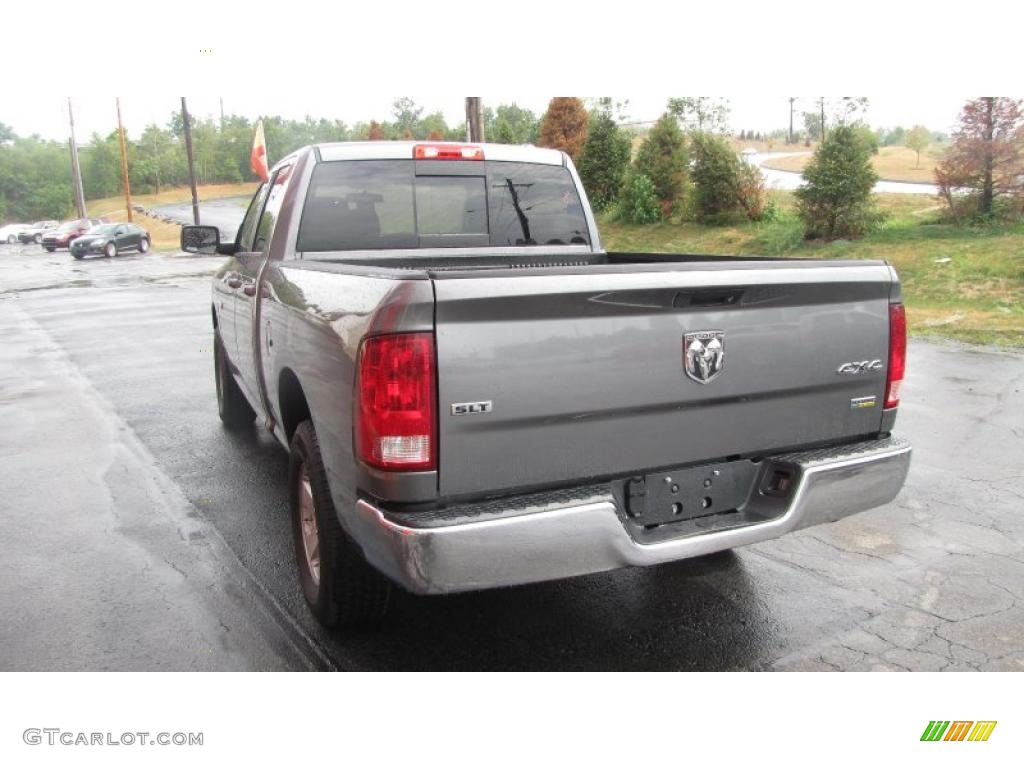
x,y
50,248
77,255
233,408
37,239
12,239
111,250
342,589
143,245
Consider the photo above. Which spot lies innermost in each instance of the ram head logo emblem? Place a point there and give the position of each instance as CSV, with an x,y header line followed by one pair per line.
x,y
703,355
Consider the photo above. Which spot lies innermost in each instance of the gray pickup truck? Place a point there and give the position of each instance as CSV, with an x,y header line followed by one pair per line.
x,y
475,394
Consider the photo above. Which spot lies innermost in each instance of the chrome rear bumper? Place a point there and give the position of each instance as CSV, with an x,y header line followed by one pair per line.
x,y
564,541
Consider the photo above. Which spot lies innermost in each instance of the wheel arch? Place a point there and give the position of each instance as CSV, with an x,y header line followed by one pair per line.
x,y
294,407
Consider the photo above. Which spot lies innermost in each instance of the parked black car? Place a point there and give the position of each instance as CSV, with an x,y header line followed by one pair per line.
x,y
111,239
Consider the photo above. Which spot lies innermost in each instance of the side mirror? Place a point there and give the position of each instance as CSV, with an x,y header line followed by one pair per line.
x,y
202,238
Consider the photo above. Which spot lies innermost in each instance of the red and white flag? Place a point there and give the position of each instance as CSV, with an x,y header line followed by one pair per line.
x,y
258,157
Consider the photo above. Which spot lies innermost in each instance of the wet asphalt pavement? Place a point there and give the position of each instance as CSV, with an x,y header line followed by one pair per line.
x,y
928,582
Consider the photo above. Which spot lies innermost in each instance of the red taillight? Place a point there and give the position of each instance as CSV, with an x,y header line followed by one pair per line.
x,y
396,413
447,152
897,354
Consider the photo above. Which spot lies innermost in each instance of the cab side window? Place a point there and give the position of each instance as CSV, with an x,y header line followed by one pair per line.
x,y
278,188
247,231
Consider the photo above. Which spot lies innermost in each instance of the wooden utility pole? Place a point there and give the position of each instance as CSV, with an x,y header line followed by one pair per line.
x,y
474,119
792,99
124,162
821,103
76,169
191,163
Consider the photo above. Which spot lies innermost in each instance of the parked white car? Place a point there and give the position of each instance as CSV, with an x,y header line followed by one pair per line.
x,y
9,232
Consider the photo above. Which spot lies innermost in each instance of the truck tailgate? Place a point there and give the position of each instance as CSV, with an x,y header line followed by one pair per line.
x,y
556,377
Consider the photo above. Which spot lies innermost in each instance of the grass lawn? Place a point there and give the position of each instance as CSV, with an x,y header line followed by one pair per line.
x,y
166,237
960,283
891,163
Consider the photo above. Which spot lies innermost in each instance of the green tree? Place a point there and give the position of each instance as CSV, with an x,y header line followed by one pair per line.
x,y
35,179
407,114
837,200
511,124
100,163
663,159
433,125
604,160
812,125
867,137
161,161
918,140
700,113
893,137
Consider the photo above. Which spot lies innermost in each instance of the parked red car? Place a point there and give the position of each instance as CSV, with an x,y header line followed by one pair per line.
x,y
65,233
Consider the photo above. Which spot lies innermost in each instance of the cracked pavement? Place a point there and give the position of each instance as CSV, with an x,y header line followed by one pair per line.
x,y
167,544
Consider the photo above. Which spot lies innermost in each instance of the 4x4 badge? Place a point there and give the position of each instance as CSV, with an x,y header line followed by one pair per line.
x,y
703,355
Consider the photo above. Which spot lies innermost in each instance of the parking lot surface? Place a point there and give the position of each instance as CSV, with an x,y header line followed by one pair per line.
x,y
183,528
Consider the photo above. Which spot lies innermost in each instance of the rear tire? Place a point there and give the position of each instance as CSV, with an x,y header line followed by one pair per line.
x,y
143,245
233,408
37,239
342,589
12,239
78,255
50,248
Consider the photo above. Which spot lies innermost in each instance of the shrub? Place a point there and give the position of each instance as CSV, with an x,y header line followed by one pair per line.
x,y
604,161
837,200
725,187
751,193
663,159
639,202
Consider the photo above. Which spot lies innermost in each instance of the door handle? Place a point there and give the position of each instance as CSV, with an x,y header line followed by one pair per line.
x,y
250,290
234,282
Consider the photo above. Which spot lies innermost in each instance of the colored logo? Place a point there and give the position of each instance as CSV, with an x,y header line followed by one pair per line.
x,y
958,730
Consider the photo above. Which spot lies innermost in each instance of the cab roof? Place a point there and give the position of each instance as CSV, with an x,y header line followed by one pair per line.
x,y
403,150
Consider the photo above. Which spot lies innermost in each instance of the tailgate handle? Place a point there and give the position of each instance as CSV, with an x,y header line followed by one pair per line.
x,y
711,298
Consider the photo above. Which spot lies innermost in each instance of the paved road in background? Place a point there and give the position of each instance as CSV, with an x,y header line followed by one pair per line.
x,y
790,180
932,581
225,213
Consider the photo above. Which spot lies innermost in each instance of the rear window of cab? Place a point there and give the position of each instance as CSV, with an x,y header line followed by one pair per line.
x,y
392,204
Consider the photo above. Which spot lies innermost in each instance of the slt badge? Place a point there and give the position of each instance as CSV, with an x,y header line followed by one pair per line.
x,y
703,355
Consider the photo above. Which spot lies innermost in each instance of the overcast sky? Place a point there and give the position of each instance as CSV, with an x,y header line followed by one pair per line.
x,y
46,114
